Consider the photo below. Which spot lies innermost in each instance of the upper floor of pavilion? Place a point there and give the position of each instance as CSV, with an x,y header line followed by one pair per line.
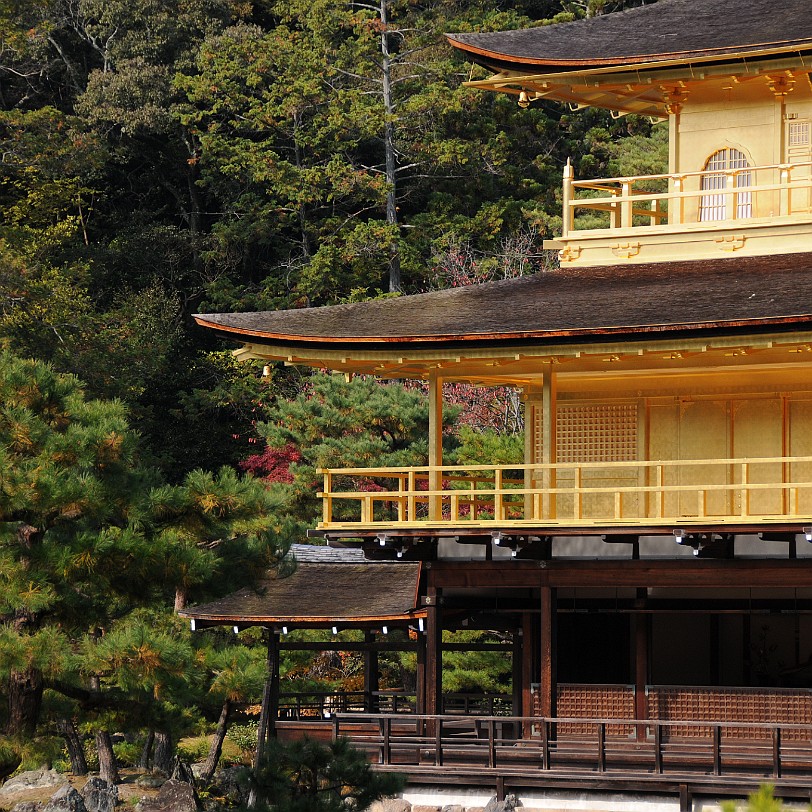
x,y
733,83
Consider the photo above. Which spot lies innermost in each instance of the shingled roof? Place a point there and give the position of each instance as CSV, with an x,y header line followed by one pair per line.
x,y
666,30
739,293
321,594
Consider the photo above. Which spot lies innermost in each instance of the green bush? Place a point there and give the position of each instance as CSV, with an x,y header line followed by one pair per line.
x,y
308,776
245,737
128,754
42,750
193,750
761,801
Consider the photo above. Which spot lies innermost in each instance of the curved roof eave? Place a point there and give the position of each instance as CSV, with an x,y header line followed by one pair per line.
x,y
300,342
501,61
568,305
665,30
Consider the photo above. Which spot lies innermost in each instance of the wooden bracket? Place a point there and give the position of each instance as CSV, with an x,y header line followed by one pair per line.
x,y
730,242
625,250
569,253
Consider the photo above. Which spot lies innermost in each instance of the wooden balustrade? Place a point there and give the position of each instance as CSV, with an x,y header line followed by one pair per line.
x,y
758,490
777,190
710,748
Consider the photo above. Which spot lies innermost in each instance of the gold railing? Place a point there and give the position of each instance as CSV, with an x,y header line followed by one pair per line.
x,y
660,201
761,490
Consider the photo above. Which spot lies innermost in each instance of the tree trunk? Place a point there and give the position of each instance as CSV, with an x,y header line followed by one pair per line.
x,y
108,770
24,702
181,597
163,752
389,151
146,751
217,745
76,753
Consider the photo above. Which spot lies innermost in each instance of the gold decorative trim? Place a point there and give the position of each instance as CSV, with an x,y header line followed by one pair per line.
x,y
570,253
730,242
625,250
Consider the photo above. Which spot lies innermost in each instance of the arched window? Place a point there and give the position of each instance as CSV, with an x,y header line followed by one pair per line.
x,y
715,206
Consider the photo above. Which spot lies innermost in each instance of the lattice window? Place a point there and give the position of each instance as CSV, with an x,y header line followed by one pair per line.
x,y
721,164
798,134
597,433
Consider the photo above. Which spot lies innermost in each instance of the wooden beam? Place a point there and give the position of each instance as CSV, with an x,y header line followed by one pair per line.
x,y
706,573
340,645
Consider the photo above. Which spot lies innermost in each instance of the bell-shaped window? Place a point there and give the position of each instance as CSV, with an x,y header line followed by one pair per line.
x,y
725,169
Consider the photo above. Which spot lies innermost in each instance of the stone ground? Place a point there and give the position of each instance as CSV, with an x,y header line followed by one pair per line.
x,y
128,792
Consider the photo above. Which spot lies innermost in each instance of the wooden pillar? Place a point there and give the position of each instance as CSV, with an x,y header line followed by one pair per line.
x,y
270,706
713,646
420,676
435,445
517,669
548,677
434,653
371,686
641,624
548,435
528,659
532,427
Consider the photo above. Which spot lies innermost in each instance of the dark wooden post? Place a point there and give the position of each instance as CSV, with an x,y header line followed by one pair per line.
x,y
517,663
640,626
548,676
434,653
270,707
371,686
713,632
528,640
420,676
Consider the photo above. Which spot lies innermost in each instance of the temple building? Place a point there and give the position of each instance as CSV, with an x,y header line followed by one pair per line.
x,y
651,558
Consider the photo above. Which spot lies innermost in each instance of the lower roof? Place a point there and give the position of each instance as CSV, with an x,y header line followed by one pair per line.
x,y
741,293
321,594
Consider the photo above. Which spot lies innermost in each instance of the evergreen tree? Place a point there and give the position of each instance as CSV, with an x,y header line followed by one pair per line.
x,y
338,424
87,537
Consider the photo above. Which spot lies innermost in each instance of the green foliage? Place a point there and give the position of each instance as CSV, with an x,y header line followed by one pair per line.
x,y
93,547
306,776
10,757
245,737
475,671
193,750
339,424
762,801
128,753
478,446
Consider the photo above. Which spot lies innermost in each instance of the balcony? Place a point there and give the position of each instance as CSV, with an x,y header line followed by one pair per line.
x,y
701,214
728,494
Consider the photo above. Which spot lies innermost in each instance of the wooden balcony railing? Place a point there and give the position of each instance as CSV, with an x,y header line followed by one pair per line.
x,y
703,199
325,704
714,748
728,491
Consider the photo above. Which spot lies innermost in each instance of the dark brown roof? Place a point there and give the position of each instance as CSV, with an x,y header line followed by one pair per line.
x,y
734,294
666,30
322,594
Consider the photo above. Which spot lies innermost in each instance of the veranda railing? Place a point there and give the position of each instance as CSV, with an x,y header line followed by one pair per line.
x,y
534,744
767,489
674,199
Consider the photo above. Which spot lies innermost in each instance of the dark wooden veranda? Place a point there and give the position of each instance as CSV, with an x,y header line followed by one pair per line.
x,y
512,754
